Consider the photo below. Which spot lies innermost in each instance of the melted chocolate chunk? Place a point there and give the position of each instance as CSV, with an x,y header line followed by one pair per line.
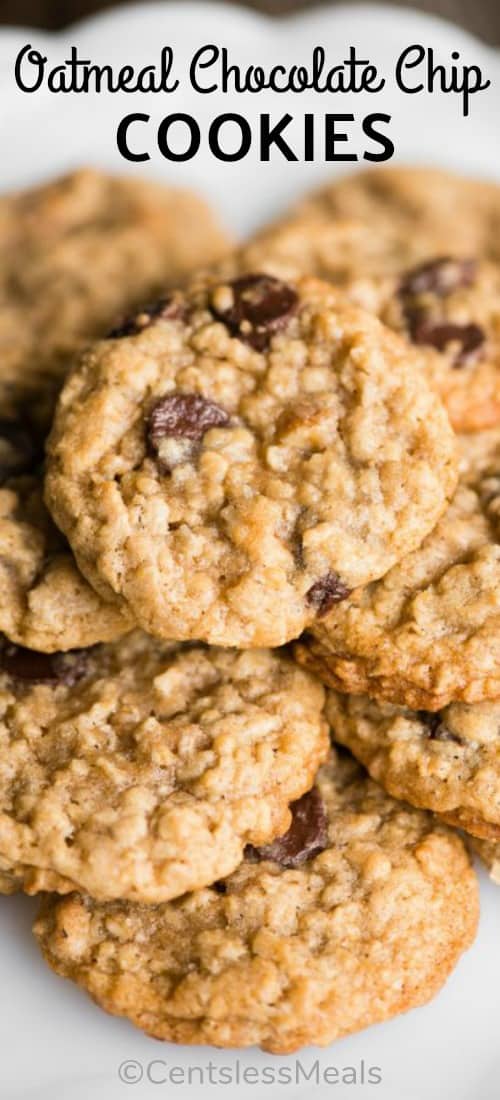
x,y
29,666
437,731
20,451
219,887
182,416
430,720
440,334
261,306
440,277
170,308
306,837
326,592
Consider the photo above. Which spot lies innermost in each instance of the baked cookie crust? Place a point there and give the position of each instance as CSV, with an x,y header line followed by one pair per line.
x,y
489,854
75,254
428,633
446,761
45,602
140,770
436,284
233,462
432,208
368,927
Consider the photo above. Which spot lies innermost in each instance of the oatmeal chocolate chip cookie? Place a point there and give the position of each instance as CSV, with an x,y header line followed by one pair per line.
x,y
448,305
489,854
289,950
425,210
243,456
45,603
446,761
75,254
428,633
140,770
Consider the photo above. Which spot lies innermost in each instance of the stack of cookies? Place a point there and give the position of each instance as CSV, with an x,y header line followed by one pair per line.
x,y
257,554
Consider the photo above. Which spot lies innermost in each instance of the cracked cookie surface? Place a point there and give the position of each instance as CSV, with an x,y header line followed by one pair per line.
x,y
141,770
428,633
447,761
368,926
233,462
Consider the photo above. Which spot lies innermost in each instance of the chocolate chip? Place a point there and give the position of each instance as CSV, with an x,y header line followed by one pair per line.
x,y
306,837
20,451
182,416
430,720
170,308
261,305
470,338
441,277
29,666
323,594
219,887
436,728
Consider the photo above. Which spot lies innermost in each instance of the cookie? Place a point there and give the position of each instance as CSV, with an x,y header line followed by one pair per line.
x,y
489,854
428,210
75,254
450,306
232,463
447,761
428,633
359,913
140,770
445,303
45,603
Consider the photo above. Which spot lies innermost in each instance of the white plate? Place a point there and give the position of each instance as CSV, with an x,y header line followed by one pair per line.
x,y
55,1044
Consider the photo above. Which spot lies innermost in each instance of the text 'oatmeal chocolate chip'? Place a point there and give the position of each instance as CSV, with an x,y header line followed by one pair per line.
x,y
440,277
306,837
170,308
32,667
181,417
254,307
19,451
326,592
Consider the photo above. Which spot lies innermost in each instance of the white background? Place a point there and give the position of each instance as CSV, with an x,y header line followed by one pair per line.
x,y
54,1044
